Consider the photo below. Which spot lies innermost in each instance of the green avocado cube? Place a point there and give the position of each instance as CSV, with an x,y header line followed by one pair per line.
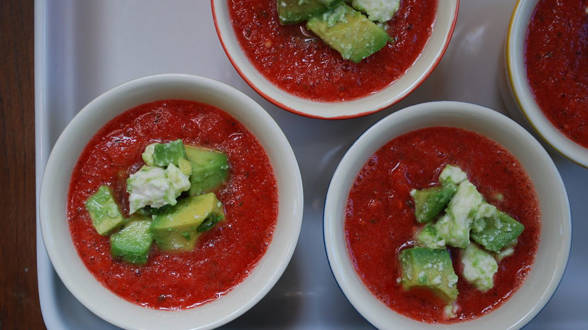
x,y
349,32
431,201
494,229
479,267
296,11
104,212
455,225
133,242
429,268
177,227
429,237
210,169
163,154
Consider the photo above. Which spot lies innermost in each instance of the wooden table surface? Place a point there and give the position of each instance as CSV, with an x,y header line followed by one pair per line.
x,y
19,298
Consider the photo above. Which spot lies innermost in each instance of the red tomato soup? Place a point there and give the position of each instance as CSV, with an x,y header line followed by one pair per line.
x,y
557,64
296,61
380,219
223,256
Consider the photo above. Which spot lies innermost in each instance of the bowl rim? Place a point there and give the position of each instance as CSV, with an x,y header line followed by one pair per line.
x,y
335,257
391,102
533,113
158,80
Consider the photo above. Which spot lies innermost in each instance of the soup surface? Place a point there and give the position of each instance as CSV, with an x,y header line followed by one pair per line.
x,y
226,254
557,64
380,220
296,61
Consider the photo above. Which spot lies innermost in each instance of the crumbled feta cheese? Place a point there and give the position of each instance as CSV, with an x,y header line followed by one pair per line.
x,y
486,211
377,10
455,226
452,174
479,267
155,187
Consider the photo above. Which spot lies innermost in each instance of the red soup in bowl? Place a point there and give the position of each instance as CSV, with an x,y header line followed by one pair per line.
x,y
223,254
556,56
295,60
385,220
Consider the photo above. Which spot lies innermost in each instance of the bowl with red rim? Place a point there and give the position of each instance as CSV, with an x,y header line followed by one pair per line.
x,y
525,95
553,241
433,49
70,266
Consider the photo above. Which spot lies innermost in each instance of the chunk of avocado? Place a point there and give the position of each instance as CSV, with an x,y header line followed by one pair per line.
x,y
429,237
349,32
177,228
494,229
429,268
296,11
479,267
104,211
455,225
430,202
133,242
163,154
210,169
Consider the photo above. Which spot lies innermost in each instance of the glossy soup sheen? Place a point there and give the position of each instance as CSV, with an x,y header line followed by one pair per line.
x,y
557,64
224,255
380,219
296,61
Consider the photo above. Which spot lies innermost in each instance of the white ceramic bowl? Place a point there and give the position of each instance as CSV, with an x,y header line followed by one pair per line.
x,y
432,53
554,246
77,134
516,72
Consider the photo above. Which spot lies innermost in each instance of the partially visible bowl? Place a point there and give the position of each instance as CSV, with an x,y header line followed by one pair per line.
x,y
516,72
554,244
445,20
54,193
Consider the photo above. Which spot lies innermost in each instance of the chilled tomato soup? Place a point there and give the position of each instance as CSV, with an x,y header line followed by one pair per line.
x,y
224,255
557,64
293,59
380,218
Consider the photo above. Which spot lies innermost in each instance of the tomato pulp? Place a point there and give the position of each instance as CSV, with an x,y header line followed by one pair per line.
x,y
296,61
224,255
380,221
557,64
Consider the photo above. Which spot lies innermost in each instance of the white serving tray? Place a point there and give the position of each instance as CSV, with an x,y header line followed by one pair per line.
x,y
83,48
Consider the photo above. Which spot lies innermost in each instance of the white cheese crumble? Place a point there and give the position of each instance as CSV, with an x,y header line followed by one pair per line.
x,y
155,187
452,174
377,10
486,211
479,267
455,226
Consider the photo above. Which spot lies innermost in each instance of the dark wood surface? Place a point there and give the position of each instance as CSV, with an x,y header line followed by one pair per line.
x,y
19,299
